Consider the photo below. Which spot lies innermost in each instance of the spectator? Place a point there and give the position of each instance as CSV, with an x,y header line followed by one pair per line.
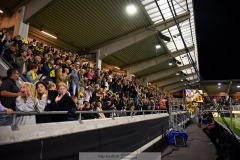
x,y
41,94
210,130
63,102
10,54
88,94
75,79
4,119
5,44
63,76
27,103
10,90
49,70
32,75
96,94
7,110
51,86
89,107
81,95
99,108
22,62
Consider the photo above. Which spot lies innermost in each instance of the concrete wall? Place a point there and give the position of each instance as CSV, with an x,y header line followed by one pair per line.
x,y
67,139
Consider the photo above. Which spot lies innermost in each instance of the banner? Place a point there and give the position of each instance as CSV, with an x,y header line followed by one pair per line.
x,y
193,95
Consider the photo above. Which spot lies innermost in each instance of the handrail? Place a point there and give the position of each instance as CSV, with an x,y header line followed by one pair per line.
x,y
10,66
77,112
14,126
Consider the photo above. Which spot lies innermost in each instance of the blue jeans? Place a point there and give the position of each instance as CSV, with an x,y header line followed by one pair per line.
x,y
6,120
75,87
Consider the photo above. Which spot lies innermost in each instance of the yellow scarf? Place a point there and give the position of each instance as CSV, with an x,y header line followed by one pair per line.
x,y
34,75
52,73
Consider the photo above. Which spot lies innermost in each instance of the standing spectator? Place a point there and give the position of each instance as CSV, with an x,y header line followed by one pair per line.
x,y
63,76
32,75
81,95
39,62
26,103
5,44
96,93
10,90
99,108
90,75
75,79
22,62
4,118
42,93
199,114
49,70
210,130
10,54
63,102
87,94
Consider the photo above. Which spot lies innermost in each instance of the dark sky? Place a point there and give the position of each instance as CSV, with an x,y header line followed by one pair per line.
x,y
217,39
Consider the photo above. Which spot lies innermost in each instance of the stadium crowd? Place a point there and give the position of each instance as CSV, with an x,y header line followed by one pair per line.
x,y
61,81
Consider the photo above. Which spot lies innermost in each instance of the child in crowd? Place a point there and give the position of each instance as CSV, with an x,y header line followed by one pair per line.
x,y
51,86
81,95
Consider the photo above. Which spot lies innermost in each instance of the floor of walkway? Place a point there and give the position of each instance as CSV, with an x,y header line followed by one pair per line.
x,y
198,147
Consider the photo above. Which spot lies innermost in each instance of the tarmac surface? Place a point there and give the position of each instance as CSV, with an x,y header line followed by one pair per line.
x,y
198,147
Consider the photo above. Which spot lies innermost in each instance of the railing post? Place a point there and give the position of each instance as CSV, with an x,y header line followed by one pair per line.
x,y
112,115
131,114
14,126
80,118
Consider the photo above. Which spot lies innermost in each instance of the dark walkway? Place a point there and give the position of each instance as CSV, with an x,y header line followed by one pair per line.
x,y
198,147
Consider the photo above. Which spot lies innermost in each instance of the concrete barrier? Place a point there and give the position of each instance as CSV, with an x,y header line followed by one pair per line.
x,y
67,139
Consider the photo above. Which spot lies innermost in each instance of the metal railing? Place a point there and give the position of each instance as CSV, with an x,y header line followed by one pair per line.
x,y
113,114
178,119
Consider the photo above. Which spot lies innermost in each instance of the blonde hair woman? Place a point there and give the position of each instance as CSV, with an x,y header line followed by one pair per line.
x,y
63,102
27,103
99,108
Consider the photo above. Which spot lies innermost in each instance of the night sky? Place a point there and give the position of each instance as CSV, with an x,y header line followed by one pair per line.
x,y
218,39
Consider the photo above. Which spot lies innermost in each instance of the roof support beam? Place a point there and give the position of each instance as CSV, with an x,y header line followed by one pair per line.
x,y
139,35
177,89
161,74
175,85
157,60
33,7
173,90
173,80
229,87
